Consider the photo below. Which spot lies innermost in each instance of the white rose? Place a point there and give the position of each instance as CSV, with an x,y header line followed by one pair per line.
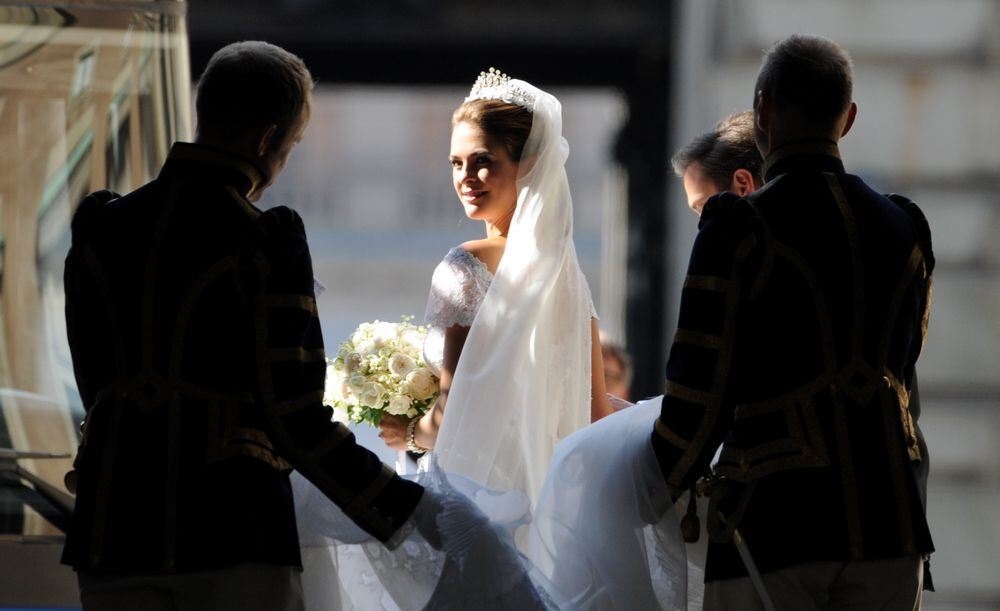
x,y
345,349
345,391
352,362
422,384
362,333
341,415
356,384
399,405
372,395
334,388
400,364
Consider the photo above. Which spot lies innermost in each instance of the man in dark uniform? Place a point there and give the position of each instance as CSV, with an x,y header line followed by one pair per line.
x,y
197,349
802,316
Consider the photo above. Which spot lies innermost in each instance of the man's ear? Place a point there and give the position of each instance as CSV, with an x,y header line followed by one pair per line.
x,y
264,141
762,123
852,113
742,183
760,108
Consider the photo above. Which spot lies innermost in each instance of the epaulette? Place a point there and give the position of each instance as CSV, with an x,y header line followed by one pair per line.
x,y
723,205
278,220
268,231
88,207
921,225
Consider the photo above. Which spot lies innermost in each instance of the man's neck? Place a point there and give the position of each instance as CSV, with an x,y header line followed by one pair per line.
x,y
779,139
806,147
231,146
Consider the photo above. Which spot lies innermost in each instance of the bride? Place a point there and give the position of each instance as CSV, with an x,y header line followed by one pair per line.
x,y
513,332
513,335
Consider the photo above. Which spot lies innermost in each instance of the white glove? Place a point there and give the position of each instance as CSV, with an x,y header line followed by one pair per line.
x,y
425,517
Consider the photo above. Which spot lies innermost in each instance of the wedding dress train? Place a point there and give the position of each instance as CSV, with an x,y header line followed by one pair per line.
x,y
604,535
475,566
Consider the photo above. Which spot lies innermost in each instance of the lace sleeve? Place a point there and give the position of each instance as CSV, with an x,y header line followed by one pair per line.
x,y
458,287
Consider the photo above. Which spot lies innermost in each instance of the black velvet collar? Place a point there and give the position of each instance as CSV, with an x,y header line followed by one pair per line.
x,y
800,155
227,168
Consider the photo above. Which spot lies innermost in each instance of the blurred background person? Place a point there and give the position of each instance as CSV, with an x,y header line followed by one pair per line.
x,y
617,370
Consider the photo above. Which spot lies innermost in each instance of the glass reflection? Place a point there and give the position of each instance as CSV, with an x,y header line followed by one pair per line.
x,y
91,97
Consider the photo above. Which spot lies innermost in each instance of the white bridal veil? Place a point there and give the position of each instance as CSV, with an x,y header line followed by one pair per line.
x,y
523,380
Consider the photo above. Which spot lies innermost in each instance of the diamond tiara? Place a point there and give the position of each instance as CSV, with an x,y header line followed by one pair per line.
x,y
495,85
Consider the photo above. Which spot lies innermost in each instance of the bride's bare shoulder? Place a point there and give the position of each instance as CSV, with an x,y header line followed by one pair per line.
x,y
487,250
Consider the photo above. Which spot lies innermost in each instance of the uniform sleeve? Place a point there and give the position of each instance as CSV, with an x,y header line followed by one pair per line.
x,y
697,411
924,273
291,372
911,329
78,280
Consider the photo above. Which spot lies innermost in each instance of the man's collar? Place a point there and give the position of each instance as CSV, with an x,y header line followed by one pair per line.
x,y
801,154
236,171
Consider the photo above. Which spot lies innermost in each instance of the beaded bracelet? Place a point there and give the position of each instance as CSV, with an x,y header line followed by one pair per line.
x,y
411,442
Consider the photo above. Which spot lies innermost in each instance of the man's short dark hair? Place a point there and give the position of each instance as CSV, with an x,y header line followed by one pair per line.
x,y
809,76
728,147
251,84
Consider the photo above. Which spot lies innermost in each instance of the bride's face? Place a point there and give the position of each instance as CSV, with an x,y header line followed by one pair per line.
x,y
483,173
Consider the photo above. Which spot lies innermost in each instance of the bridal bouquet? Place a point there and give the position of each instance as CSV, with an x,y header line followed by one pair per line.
x,y
380,370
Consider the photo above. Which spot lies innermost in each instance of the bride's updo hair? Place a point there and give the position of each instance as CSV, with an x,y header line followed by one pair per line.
x,y
508,124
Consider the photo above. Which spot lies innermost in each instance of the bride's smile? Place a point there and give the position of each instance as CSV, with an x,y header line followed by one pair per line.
x,y
473,196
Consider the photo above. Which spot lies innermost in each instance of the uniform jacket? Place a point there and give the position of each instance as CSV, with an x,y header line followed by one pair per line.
x,y
199,358
802,315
